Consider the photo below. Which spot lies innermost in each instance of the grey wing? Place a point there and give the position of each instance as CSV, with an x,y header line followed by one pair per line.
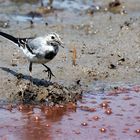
x,y
34,44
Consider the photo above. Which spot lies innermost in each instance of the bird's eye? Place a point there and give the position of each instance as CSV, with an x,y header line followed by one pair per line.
x,y
52,37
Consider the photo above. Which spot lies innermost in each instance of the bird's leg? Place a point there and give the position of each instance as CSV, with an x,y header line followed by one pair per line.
x,y
50,74
30,69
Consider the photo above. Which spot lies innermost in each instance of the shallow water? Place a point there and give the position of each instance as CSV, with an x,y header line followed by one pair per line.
x,y
112,114
20,12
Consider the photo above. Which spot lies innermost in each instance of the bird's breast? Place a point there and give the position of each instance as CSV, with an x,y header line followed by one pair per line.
x,y
50,55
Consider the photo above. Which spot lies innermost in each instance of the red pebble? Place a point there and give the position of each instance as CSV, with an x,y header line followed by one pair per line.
x,y
138,131
104,104
36,118
84,124
96,118
103,130
47,125
108,111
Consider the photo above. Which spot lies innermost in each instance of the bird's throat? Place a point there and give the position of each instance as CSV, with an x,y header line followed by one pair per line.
x,y
50,55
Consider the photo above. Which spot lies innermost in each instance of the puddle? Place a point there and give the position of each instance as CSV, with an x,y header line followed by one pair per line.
x,y
24,12
25,18
113,114
19,11
74,5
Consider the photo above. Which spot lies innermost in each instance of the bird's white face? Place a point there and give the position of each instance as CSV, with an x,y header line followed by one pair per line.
x,y
54,37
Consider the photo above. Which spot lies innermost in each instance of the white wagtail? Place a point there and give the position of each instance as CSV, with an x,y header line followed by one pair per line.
x,y
38,49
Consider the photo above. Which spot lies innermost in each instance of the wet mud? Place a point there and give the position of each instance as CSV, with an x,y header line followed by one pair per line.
x,y
52,94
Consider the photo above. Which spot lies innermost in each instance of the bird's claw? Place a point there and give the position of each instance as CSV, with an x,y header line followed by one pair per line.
x,y
50,74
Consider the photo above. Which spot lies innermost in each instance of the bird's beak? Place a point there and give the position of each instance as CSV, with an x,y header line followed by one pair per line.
x,y
61,43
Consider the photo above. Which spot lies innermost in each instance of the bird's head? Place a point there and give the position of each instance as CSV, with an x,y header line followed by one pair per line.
x,y
54,38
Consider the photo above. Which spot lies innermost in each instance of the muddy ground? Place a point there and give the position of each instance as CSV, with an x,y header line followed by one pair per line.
x,y
107,45
102,50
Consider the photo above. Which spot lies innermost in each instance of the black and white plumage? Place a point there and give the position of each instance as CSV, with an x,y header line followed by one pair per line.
x,y
38,49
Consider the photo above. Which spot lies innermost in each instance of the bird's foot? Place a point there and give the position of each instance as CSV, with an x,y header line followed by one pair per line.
x,y
50,74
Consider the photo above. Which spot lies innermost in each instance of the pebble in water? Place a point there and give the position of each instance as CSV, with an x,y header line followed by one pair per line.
x,y
138,131
102,130
84,124
96,118
108,111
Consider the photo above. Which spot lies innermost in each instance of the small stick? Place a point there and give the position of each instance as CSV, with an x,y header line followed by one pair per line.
x,y
74,56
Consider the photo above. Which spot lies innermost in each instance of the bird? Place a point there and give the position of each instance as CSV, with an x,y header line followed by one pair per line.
x,y
41,49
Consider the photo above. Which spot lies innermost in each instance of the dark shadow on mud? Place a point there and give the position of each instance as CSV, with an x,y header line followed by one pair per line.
x,y
41,91
36,81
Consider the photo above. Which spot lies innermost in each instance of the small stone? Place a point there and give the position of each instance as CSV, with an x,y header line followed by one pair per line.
x,y
103,130
36,118
138,131
96,118
112,66
108,111
84,124
104,104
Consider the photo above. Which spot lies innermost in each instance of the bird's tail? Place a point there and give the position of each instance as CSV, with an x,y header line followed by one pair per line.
x,y
11,38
